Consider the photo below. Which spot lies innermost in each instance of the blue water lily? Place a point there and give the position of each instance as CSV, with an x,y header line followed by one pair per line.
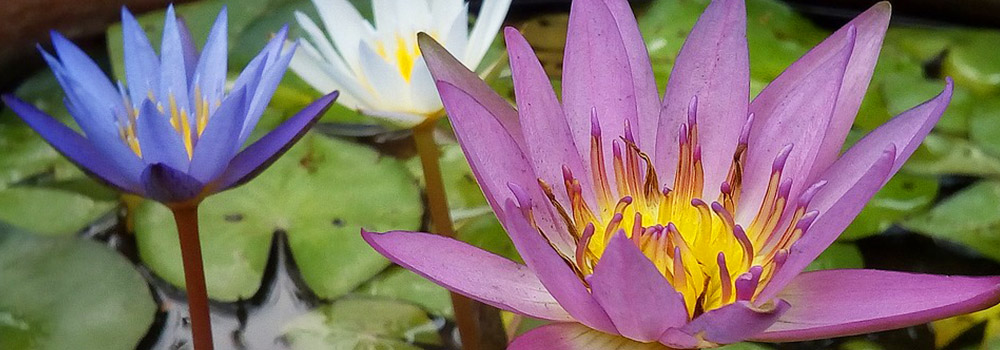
x,y
174,132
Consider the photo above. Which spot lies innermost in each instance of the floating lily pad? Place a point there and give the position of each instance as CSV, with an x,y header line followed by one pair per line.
x,y
363,324
320,194
402,284
974,62
983,122
902,195
838,256
465,199
940,155
67,293
904,91
970,218
50,211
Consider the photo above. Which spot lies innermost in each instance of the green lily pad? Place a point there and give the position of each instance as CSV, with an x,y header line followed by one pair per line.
x,y
904,91
838,256
974,62
485,232
320,194
940,155
50,211
969,217
983,121
402,284
745,346
68,293
363,324
904,194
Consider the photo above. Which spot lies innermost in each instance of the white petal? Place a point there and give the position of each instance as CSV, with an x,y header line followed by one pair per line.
x,y
384,80
425,97
346,27
317,37
402,119
308,64
488,23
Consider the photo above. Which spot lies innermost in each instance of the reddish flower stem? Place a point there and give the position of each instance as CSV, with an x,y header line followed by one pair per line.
x,y
186,216
471,316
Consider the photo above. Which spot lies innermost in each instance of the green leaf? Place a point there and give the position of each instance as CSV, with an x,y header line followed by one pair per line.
x,y
402,284
745,346
973,62
969,217
68,293
904,91
485,232
904,194
465,199
50,211
838,256
363,324
940,155
983,121
321,193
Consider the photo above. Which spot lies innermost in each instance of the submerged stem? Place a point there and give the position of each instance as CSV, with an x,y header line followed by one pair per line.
x,y
473,318
186,217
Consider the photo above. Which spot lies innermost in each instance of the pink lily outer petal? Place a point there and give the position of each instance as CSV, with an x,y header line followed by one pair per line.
x,y
905,133
835,303
795,113
445,67
871,26
635,295
470,271
552,270
734,322
574,336
596,77
547,135
647,99
713,65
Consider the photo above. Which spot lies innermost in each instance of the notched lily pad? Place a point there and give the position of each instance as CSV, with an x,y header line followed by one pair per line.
x,y
320,194
68,293
356,323
969,217
402,284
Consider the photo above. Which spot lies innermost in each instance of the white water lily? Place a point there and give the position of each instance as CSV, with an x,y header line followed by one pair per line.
x,y
378,68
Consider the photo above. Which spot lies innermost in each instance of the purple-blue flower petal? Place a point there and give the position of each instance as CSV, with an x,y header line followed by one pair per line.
x,y
218,143
173,70
188,48
158,140
255,158
142,67
74,146
168,185
84,70
274,68
210,74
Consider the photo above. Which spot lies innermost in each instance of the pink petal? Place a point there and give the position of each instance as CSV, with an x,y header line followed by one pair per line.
x,y
446,68
496,158
795,112
596,76
574,336
847,196
836,303
553,271
903,133
713,65
734,322
647,98
469,271
636,297
871,26
547,135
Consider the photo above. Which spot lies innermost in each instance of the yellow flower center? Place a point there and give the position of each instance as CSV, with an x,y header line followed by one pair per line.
x,y
179,120
696,244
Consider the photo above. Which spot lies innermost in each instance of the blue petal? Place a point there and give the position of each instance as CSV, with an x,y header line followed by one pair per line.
x,y
274,69
158,140
251,74
168,185
219,142
188,48
75,147
81,68
173,74
142,67
210,74
258,156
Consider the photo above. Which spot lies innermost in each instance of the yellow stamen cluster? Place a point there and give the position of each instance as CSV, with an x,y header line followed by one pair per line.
x,y
697,246
179,118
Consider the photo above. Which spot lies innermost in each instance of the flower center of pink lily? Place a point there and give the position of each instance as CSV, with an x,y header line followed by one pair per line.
x,y
696,244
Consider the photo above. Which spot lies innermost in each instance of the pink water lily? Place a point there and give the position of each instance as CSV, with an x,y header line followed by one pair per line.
x,y
685,221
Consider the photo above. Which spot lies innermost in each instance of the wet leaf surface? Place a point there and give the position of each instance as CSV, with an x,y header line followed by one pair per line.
x,y
321,193
903,195
69,293
356,323
969,217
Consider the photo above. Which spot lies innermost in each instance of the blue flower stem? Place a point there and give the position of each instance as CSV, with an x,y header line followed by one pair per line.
x,y
472,317
186,216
